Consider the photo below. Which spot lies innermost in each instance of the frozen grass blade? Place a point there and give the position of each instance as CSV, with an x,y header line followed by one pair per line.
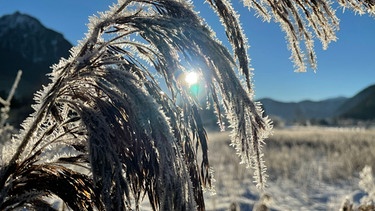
x,y
105,132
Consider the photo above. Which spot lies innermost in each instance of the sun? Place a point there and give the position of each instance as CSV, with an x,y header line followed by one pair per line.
x,y
191,78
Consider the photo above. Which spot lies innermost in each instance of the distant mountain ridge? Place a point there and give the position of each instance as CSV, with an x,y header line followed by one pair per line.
x,y
304,110
26,44
359,107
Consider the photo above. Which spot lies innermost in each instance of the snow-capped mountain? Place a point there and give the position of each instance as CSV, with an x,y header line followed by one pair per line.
x,y
26,44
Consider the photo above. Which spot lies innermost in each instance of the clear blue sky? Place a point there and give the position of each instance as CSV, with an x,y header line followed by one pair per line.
x,y
343,70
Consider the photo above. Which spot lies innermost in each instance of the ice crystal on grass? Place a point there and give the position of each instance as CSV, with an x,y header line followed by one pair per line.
x,y
367,184
301,21
104,107
105,104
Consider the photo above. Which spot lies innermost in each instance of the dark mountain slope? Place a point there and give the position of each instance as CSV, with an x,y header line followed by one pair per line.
x,y
26,44
304,110
361,106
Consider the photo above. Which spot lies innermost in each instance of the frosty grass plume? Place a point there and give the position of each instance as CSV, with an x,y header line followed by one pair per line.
x,y
118,136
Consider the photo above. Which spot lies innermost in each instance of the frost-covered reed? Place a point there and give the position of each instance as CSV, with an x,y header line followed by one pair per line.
x,y
106,110
119,137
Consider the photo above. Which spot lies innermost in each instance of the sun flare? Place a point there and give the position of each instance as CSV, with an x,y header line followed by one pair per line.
x,y
191,78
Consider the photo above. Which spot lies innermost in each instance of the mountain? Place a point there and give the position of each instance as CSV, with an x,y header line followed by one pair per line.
x,y
302,111
27,45
361,106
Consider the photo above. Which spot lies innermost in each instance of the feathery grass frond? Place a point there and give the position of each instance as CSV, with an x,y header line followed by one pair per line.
x,y
360,7
249,126
36,181
300,20
104,134
105,114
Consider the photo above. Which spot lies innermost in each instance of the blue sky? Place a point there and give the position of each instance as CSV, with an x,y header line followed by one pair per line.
x,y
343,70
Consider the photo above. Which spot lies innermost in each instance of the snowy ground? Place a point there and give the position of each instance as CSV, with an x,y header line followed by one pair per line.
x,y
313,191
283,195
309,168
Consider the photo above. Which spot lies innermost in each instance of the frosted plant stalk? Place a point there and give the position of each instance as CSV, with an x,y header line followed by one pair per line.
x,y
106,110
6,103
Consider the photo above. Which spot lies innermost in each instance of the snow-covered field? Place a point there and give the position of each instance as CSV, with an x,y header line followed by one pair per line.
x,y
309,168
